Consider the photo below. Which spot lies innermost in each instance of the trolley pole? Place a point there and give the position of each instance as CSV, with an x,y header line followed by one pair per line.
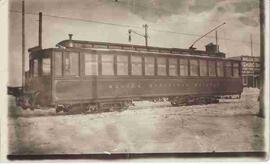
x,y
191,47
23,45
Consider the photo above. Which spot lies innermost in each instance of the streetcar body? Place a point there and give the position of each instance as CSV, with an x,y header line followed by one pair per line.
x,y
95,73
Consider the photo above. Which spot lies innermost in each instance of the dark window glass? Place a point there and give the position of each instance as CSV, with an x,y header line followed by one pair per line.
x,y
149,66
46,66
228,71
220,69
235,69
194,67
172,66
91,64
122,65
203,68
136,65
245,80
35,69
183,67
58,63
212,68
71,63
161,66
107,65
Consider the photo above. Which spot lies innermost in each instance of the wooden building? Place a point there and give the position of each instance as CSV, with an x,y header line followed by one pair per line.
x,y
250,70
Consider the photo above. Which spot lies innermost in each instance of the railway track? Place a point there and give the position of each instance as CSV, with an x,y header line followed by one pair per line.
x,y
44,112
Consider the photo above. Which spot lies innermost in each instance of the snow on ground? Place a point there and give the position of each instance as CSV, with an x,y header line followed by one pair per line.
x,y
230,126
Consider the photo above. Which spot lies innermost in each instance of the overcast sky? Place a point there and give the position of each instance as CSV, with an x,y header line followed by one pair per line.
x,y
187,18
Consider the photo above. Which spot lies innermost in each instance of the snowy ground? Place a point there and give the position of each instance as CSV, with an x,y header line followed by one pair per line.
x,y
230,126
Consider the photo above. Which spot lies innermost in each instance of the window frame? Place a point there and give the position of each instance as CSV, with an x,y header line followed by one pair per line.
x,y
186,65
50,66
132,62
36,70
116,63
64,53
231,69
206,67
176,68
166,66
209,69
154,65
222,66
101,64
84,54
60,53
245,80
198,67
236,67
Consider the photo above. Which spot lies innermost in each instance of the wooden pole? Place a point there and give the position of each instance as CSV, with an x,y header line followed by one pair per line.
x,y
262,26
217,41
40,30
146,34
251,45
216,38
23,46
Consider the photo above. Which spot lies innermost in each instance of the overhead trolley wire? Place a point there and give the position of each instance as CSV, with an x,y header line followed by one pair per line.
x,y
129,26
80,19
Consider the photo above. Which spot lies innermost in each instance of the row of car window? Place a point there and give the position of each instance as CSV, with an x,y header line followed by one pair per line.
x,y
67,64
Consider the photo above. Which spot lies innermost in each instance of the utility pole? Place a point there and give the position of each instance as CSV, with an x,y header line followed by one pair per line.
x,y
145,26
146,34
40,30
217,41
251,53
23,46
216,38
251,45
262,55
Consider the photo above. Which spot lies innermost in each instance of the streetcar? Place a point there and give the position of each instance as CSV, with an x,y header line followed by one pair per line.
x,y
100,76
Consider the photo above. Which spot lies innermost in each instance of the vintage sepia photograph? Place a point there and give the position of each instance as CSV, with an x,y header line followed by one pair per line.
x,y
125,79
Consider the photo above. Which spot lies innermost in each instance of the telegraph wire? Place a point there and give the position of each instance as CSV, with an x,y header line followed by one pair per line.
x,y
169,11
129,26
80,19
196,35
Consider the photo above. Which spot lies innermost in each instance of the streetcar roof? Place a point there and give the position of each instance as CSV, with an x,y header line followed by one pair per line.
x,y
136,49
